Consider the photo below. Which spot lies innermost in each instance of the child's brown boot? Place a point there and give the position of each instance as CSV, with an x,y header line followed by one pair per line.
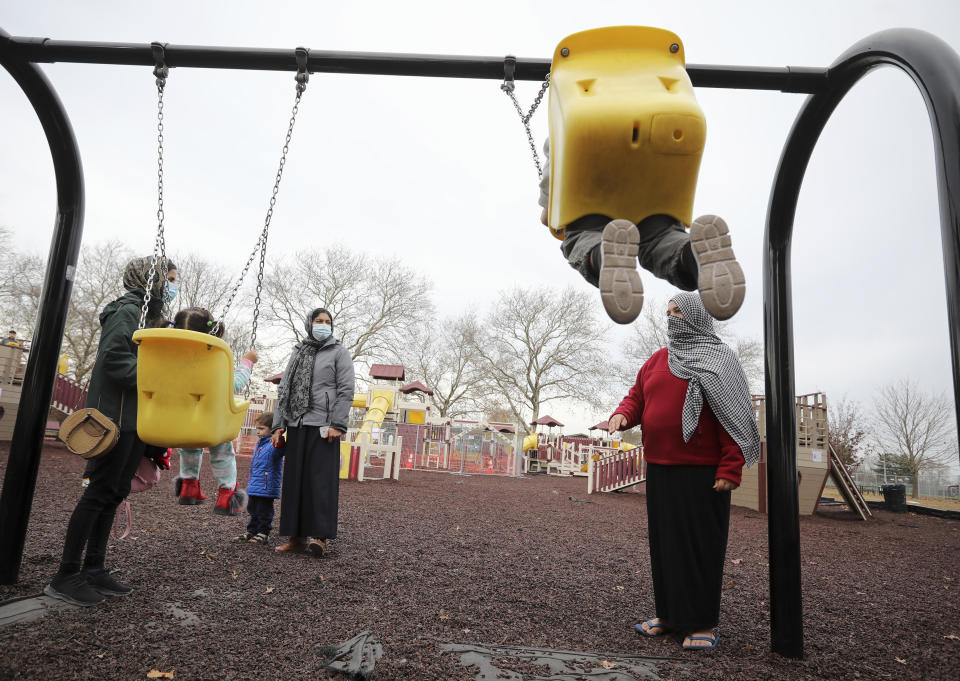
x,y
721,281
620,287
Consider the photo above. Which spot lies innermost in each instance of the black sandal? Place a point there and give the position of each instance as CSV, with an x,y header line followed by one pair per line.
x,y
258,538
246,536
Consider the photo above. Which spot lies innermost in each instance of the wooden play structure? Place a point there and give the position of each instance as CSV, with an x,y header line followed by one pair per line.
x,y
67,397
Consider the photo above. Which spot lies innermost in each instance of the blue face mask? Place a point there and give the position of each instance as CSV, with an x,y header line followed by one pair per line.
x,y
321,331
170,292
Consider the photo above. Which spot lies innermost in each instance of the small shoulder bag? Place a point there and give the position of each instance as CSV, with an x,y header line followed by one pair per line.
x,y
89,432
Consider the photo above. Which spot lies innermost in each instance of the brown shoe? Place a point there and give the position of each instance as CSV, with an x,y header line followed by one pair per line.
x,y
294,545
317,547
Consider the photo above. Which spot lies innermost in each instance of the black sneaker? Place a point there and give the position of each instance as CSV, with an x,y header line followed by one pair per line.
x,y
74,590
103,582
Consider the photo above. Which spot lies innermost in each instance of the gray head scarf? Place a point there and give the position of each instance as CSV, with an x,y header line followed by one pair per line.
x,y
296,390
137,273
695,353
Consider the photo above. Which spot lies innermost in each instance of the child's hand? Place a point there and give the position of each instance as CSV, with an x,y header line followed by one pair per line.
x,y
277,438
543,217
252,356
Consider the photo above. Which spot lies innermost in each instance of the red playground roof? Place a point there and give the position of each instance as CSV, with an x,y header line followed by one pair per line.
x,y
547,421
600,426
416,385
501,427
393,372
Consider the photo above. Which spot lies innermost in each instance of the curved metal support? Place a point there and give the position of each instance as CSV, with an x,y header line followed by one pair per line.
x,y
935,68
24,460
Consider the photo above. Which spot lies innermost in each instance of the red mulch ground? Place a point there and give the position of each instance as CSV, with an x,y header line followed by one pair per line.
x,y
439,558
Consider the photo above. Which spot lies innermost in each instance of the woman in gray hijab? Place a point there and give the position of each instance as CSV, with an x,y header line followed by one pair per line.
x,y
693,403
313,408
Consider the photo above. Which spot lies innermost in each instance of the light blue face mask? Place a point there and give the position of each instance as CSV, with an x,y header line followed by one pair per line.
x,y
170,292
321,331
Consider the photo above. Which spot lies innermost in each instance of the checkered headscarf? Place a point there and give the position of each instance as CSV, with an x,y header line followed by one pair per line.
x,y
695,353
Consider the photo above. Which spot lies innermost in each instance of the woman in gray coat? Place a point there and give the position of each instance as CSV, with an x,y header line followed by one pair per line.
x,y
313,406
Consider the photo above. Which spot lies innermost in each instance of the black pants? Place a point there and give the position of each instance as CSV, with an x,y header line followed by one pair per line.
x,y
261,514
110,475
688,522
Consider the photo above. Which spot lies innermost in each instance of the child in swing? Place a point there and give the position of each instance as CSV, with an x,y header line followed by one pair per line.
x,y
223,459
605,252
263,486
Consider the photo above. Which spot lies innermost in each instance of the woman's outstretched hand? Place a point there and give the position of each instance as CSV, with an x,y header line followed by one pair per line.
x,y
724,485
333,434
616,422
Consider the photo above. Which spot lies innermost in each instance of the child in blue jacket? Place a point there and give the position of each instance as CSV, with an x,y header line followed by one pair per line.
x,y
266,472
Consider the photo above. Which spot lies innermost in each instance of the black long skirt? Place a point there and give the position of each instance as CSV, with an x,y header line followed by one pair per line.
x,y
311,485
688,522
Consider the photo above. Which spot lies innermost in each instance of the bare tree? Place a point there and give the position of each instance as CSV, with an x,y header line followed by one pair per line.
x,y
443,356
650,335
203,283
542,345
98,281
915,428
20,289
375,302
845,432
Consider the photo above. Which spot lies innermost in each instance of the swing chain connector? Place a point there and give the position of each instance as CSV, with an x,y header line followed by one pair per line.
x,y
509,70
508,86
160,69
303,76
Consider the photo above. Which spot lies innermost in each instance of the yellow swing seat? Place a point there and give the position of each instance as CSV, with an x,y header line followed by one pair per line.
x,y
626,132
185,389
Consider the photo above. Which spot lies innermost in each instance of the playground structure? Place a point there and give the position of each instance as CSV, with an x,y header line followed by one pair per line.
x,y
813,460
67,395
932,64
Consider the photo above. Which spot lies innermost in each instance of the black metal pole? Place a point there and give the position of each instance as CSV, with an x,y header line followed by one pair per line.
x,y
24,460
935,68
787,79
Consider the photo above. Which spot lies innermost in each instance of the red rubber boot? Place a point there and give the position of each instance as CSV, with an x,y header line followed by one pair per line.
x,y
229,501
189,492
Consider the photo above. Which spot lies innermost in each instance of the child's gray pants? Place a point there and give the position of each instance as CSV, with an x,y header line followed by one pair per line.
x,y
662,240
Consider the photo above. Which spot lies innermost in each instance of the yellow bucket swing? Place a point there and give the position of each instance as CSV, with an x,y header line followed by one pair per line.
x,y
626,132
185,386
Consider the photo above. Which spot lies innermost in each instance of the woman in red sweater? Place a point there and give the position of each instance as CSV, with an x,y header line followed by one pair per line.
x,y
693,404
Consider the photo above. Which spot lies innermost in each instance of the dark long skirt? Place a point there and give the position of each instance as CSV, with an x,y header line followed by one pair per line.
x,y
311,485
688,522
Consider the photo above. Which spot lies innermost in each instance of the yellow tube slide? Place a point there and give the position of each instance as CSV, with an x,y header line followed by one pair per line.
x,y
530,442
377,410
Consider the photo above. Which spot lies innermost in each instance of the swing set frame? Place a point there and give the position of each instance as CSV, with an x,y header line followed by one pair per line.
x,y
932,64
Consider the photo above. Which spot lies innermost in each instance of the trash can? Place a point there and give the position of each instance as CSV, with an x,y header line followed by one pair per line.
x,y
894,498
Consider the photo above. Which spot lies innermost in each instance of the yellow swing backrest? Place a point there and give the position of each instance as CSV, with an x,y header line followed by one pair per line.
x,y
626,132
185,389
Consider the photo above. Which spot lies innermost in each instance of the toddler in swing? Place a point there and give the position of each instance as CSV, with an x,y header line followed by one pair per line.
x,y
605,252
223,459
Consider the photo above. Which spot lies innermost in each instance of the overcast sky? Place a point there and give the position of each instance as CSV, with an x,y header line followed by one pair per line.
x,y
438,171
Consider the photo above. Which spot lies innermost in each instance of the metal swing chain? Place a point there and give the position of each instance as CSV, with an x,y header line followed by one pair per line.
x,y
508,86
160,72
302,78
